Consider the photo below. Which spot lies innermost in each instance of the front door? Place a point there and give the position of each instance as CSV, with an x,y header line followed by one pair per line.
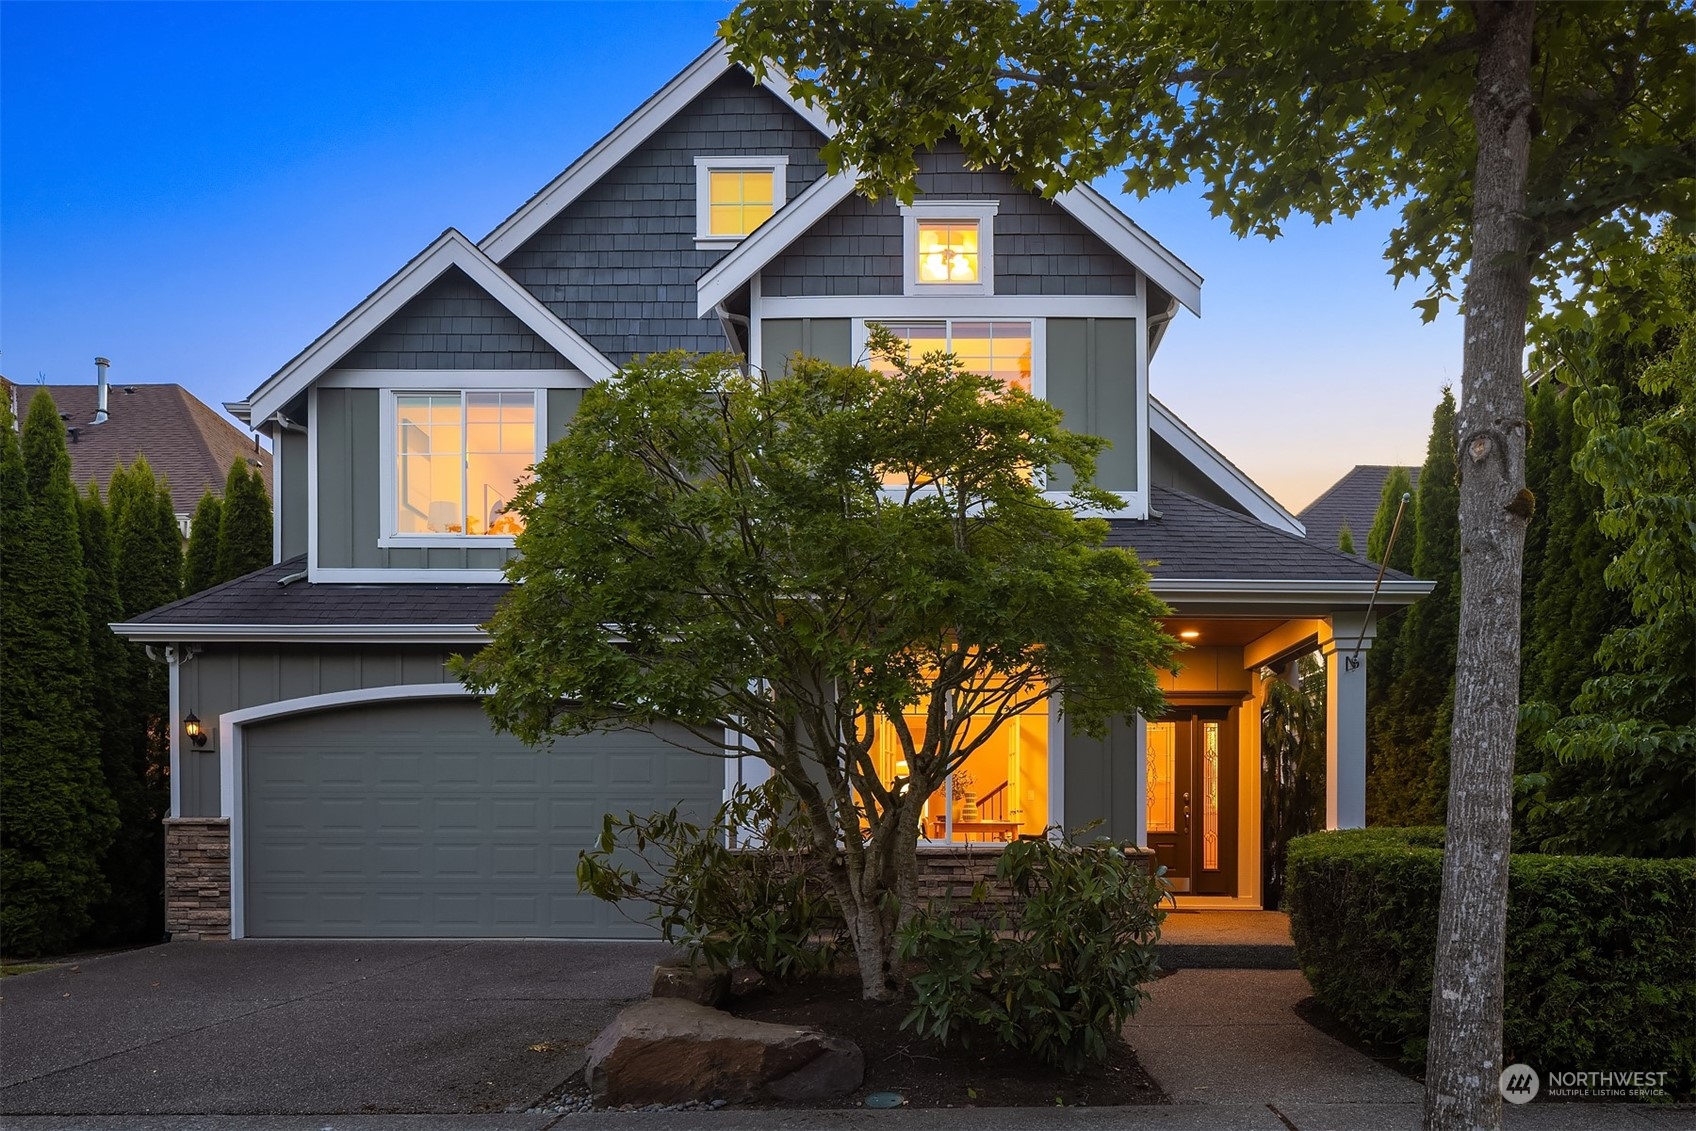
x,y
1192,798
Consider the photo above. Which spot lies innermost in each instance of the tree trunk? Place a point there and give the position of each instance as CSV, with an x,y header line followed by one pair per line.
x,y
1463,1064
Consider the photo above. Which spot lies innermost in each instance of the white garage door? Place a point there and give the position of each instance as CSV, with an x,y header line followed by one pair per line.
x,y
416,820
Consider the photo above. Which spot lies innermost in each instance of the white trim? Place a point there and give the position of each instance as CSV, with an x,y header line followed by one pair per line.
x,y
1139,807
626,137
778,167
1084,204
312,508
306,633
477,380
1224,474
1056,762
1281,593
277,496
336,575
387,516
914,308
450,249
980,212
232,763
173,663
1138,248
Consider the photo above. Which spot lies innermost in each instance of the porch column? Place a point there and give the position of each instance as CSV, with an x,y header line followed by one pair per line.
x,y
1345,718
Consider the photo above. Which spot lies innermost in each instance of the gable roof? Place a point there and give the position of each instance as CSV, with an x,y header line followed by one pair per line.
x,y
183,438
1085,205
1352,499
625,138
450,249
1227,475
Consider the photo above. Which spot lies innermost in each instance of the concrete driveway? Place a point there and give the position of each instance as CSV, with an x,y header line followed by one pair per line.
x,y
311,1027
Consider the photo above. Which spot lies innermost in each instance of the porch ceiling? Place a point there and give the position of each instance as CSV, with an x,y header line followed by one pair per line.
x,y
1220,631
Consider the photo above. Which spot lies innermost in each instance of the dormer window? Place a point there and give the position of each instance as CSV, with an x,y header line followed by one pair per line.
x,y
735,195
458,458
949,247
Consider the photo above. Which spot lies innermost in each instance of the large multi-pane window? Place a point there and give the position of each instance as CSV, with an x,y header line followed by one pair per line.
x,y
459,458
994,349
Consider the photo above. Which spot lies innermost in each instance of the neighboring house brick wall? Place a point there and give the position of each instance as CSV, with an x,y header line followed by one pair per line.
x,y
1040,249
454,324
619,263
197,878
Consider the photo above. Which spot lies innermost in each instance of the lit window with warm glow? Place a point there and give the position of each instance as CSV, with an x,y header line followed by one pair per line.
x,y
993,349
459,458
739,200
948,251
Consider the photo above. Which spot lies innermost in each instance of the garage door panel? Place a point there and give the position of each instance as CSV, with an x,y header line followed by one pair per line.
x,y
417,820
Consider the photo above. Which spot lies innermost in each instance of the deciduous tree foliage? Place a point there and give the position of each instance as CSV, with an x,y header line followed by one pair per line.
x,y
244,532
56,816
723,552
1524,145
200,562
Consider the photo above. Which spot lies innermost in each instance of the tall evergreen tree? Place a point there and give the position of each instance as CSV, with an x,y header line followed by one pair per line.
x,y
1411,718
1381,661
133,911
1397,484
200,563
1345,539
56,816
244,536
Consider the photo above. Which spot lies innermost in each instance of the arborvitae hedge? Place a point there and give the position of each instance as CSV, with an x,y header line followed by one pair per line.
x,y
1599,968
56,816
244,535
200,563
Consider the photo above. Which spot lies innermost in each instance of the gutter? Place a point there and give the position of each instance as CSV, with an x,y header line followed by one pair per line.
x,y
149,632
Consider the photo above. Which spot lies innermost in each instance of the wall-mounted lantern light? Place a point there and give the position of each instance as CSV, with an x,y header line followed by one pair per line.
x,y
191,727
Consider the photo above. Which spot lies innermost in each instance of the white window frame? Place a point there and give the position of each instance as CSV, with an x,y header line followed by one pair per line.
x,y
859,343
388,537
980,212
778,167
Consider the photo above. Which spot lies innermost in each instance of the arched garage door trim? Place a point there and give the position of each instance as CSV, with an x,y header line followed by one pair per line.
x,y
232,763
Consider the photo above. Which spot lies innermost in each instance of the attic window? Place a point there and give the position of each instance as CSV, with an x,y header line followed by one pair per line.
x,y
949,247
735,195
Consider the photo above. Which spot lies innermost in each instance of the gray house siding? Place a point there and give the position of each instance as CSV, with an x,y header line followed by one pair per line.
x,y
225,678
1101,780
619,263
291,492
1092,379
1166,468
348,431
453,324
825,338
1040,249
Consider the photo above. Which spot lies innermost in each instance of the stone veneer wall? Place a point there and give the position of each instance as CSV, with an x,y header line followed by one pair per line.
x,y
197,877
947,874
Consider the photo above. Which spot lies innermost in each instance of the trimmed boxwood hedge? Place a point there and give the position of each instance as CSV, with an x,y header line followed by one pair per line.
x,y
1601,950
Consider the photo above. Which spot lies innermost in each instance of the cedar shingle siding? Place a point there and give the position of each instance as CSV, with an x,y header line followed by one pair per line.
x,y
1039,248
453,324
619,263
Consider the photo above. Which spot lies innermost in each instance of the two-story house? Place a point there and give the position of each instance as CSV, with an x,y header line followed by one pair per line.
x,y
330,779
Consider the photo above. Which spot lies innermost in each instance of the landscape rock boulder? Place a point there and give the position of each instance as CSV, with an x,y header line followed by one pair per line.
x,y
696,982
668,1050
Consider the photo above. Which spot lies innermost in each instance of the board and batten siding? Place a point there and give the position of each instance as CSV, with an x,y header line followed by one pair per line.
x,y
291,492
1092,379
224,678
348,432
828,339
1040,248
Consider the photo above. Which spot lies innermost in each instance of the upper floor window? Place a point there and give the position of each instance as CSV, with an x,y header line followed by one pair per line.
x,y
458,459
735,195
993,349
949,246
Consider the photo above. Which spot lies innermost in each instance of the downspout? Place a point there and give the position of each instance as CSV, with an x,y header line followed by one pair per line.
x,y
729,322
1157,324
101,403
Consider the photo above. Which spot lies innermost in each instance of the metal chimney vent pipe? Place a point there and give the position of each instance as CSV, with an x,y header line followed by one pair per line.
x,y
100,414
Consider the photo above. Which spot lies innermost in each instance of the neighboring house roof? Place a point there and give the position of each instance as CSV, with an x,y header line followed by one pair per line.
x,y
183,438
1352,499
1203,553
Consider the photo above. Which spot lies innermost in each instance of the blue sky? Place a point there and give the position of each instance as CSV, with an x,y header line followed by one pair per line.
x,y
198,190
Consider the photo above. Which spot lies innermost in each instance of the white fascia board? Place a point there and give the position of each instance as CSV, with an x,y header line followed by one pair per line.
x,y
626,137
241,410
1224,474
450,249
1201,591
765,242
1140,249
303,634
